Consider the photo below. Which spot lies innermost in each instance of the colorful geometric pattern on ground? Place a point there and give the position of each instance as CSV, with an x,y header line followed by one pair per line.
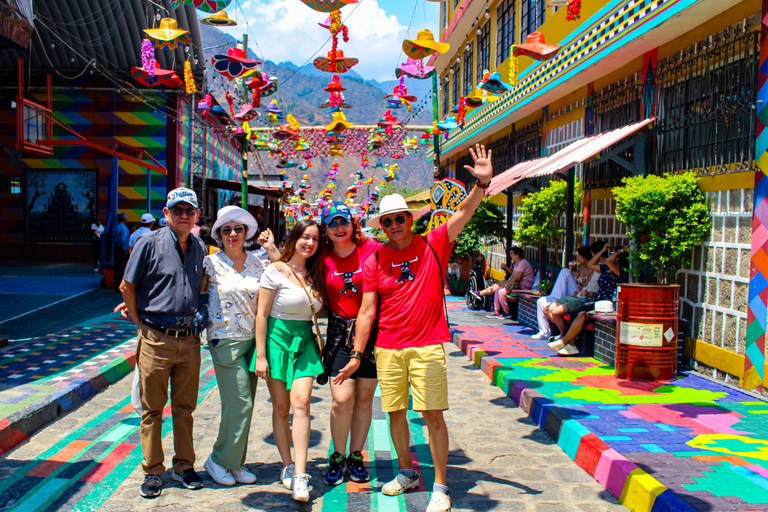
x,y
85,468
693,444
46,377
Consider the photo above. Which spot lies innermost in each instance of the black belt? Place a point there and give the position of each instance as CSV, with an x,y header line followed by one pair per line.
x,y
174,333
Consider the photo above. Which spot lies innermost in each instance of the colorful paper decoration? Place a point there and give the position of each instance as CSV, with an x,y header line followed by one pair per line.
x,y
156,77
147,56
327,5
168,35
339,123
415,69
189,80
218,19
494,85
574,10
203,5
234,64
335,88
424,45
335,63
536,48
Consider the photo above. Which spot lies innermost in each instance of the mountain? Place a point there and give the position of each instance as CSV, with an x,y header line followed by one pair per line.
x,y
301,91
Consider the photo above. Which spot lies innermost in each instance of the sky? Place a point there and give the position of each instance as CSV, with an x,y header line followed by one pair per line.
x,y
288,30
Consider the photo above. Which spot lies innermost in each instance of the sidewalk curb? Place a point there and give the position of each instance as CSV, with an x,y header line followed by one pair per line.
x,y
17,427
631,485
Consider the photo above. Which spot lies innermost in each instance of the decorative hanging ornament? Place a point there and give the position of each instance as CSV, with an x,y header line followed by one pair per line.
x,y
536,48
233,64
415,69
339,123
494,85
292,122
461,112
157,77
335,63
148,56
335,88
203,5
424,45
327,5
574,10
512,66
189,80
168,35
218,19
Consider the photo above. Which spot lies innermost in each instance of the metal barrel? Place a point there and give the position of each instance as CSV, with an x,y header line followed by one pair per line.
x,y
646,331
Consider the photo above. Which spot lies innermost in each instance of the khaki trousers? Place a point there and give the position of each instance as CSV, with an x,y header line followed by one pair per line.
x,y
162,358
237,388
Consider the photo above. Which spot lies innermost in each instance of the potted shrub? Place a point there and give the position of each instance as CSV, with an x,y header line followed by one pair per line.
x,y
542,219
666,218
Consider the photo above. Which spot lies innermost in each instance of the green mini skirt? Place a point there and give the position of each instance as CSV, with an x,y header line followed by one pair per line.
x,y
291,350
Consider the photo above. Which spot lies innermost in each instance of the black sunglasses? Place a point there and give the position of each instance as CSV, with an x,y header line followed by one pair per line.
x,y
338,222
400,219
227,230
178,211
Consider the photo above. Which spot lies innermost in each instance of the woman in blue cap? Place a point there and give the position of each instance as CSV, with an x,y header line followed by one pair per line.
x,y
346,250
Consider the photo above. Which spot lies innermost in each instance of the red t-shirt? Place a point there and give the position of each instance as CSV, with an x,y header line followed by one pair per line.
x,y
410,292
344,279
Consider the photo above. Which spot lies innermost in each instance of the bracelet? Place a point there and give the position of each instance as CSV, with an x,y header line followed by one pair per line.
x,y
483,186
356,354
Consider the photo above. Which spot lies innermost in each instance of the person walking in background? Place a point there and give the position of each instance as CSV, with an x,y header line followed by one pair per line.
x,y
161,289
405,278
147,224
97,229
120,247
287,352
232,283
345,251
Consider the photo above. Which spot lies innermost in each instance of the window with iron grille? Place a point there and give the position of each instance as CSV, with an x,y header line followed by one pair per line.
x,y
532,16
483,51
505,29
456,84
528,142
503,150
444,93
469,56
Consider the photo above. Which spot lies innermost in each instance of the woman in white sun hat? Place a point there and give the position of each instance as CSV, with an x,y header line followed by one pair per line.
x,y
232,282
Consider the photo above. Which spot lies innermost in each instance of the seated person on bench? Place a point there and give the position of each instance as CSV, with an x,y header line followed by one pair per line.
x,y
613,270
522,273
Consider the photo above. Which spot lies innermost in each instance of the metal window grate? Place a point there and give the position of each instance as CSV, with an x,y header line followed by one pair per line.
x,y
505,29
469,56
532,16
483,51
456,90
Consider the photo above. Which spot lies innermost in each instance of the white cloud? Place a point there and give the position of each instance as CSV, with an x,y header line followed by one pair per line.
x,y
288,30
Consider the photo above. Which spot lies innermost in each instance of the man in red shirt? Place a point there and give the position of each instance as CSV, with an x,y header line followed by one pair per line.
x,y
406,278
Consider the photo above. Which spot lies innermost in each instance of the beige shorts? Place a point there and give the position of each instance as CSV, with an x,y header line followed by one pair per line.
x,y
423,367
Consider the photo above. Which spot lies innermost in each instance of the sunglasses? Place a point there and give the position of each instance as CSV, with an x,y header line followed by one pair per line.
x,y
338,222
179,211
400,219
227,230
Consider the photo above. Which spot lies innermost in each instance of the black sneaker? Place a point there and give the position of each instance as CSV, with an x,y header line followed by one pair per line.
x,y
356,468
152,486
336,466
189,479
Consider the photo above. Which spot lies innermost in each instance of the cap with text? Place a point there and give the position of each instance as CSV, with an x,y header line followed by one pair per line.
x,y
181,195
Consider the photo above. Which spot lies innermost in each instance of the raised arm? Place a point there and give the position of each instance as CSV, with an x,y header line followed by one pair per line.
x,y
365,318
594,263
483,171
267,241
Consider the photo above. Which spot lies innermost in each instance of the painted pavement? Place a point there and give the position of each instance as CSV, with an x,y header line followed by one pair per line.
x,y
692,444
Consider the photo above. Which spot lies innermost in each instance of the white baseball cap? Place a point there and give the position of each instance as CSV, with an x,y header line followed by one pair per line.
x,y
392,203
181,195
147,218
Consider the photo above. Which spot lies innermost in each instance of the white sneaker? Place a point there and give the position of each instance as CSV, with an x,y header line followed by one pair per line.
x,y
440,502
568,350
556,344
243,476
286,475
219,474
540,336
300,484
494,315
400,484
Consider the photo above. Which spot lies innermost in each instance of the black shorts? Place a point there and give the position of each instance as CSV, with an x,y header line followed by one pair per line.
x,y
366,370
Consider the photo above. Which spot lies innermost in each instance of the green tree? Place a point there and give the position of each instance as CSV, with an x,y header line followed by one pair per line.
x,y
667,217
486,227
541,221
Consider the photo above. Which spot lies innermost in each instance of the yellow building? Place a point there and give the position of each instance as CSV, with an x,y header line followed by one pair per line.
x,y
661,86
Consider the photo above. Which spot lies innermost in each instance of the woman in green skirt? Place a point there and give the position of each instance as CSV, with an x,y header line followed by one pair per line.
x,y
287,354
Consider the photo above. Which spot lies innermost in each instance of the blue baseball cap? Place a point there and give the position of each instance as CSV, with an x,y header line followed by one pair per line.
x,y
181,195
336,209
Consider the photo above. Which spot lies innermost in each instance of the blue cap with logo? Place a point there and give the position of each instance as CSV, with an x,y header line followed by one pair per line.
x,y
336,209
181,195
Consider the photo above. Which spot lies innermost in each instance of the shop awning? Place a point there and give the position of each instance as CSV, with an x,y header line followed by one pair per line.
x,y
579,152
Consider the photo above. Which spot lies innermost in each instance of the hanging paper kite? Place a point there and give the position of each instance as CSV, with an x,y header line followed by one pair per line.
x,y
234,64
414,69
327,5
168,35
424,45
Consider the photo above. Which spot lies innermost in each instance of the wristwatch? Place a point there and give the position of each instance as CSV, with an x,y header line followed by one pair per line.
x,y
356,354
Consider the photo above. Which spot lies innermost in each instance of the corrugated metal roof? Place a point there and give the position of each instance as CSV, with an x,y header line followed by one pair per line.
x,y
110,32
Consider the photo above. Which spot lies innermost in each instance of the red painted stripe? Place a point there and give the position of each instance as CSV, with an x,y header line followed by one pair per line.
x,y
108,463
588,455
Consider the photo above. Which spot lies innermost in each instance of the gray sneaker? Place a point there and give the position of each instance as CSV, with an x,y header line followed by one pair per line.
x,y
400,484
286,476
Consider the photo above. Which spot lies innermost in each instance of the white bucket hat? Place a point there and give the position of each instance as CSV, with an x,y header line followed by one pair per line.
x,y
237,214
392,203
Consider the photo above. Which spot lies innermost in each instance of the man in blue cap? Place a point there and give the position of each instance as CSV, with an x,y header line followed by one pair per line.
x,y
161,289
